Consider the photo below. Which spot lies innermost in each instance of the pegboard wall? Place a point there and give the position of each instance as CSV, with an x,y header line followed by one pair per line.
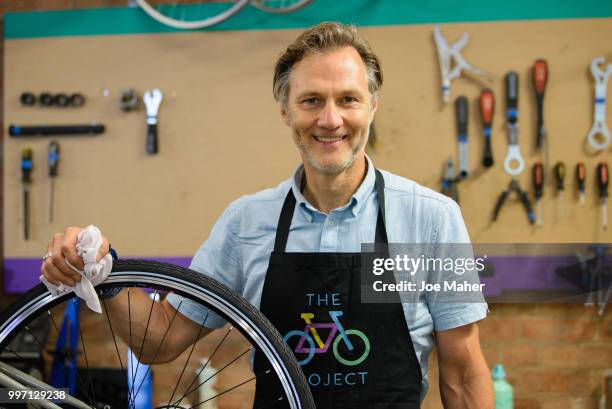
x,y
221,134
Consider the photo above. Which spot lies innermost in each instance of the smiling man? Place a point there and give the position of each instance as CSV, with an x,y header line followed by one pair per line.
x,y
293,250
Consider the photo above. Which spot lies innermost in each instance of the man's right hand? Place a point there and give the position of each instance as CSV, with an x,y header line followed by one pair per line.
x,y
63,247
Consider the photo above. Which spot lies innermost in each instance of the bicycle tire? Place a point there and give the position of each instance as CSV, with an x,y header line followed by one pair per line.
x,y
190,284
280,6
168,20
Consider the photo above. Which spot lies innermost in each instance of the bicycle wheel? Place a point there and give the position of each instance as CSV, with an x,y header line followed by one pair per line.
x,y
191,14
225,349
280,6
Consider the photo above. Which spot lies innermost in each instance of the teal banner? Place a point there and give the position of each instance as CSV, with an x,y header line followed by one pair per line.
x,y
132,20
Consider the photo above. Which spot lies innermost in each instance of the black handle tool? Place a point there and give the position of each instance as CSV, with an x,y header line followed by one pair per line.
x,y
53,161
487,108
540,78
26,179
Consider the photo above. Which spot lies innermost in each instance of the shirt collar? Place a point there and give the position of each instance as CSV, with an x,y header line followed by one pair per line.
x,y
355,203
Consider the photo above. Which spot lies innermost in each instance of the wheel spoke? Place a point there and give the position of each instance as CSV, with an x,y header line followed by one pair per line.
x,y
79,379
159,347
131,399
232,388
93,392
217,373
112,333
189,357
205,365
144,337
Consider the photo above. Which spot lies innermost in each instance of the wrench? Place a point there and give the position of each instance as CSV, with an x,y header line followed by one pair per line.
x,y
461,114
513,163
152,100
599,123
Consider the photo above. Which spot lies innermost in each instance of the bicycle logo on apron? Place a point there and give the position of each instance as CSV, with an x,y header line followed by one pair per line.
x,y
360,340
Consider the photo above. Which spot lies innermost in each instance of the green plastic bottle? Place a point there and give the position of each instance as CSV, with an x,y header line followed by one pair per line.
x,y
502,389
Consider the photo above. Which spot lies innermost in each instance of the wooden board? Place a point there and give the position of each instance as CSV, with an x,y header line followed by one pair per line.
x,y
221,135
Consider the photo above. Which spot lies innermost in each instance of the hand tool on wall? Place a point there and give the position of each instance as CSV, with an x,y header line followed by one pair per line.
x,y
27,99
19,131
487,109
596,275
537,176
129,100
76,100
446,54
603,180
523,196
539,74
599,135
461,116
559,171
513,163
53,161
603,275
60,99
588,275
152,100
26,180
46,99
580,179
449,181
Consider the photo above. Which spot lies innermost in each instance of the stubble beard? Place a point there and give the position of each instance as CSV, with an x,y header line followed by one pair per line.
x,y
334,168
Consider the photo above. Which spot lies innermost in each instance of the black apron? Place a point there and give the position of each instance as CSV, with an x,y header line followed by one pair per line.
x,y
314,301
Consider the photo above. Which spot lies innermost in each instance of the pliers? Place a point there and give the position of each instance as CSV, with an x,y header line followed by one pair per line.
x,y
523,196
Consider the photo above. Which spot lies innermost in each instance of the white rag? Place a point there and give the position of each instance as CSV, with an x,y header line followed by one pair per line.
x,y
88,245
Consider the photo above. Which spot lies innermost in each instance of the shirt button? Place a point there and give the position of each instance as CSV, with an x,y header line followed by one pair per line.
x,y
331,223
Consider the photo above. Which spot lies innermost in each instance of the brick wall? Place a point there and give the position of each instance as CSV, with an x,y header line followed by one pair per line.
x,y
553,354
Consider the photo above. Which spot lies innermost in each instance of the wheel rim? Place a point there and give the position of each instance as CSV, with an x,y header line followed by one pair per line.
x,y
192,25
45,301
280,6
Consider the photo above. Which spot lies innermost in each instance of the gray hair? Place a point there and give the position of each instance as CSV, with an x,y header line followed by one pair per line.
x,y
318,39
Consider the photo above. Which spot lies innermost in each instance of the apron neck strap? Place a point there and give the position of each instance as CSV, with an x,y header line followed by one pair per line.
x,y
284,221
381,221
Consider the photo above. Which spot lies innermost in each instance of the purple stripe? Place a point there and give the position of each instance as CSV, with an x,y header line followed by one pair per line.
x,y
510,273
21,274
526,273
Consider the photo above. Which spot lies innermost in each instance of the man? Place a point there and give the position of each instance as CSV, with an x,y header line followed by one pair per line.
x,y
293,250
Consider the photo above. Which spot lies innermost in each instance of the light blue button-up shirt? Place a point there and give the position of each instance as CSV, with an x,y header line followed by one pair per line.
x,y
238,249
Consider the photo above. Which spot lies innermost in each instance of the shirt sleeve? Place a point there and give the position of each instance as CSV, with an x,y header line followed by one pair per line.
x,y
451,241
219,259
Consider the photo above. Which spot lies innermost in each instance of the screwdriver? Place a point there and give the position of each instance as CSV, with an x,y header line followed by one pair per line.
x,y
560,180
580,178
26,179
537,174
461,115
53,160
487,107
540,78
602,182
